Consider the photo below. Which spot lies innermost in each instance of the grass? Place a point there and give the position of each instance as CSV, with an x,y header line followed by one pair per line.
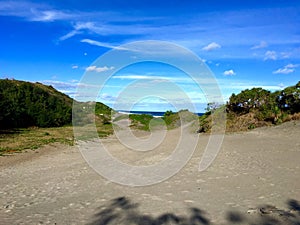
x,y
171,121
249,121
142,121
17,140
175,120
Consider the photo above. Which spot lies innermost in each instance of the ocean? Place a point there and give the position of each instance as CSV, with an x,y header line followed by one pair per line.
x,y
155,114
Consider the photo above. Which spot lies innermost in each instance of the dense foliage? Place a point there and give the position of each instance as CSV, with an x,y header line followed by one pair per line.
x,y
266,106
24,104
256,107
249,99
289,99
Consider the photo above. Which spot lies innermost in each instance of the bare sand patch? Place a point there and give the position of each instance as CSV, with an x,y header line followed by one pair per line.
x,y
56,185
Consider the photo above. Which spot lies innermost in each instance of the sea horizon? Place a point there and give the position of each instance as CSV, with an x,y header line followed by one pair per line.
x,y
152,113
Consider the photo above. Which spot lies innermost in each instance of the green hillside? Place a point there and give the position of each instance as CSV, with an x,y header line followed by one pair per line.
x,y
33,114
24,104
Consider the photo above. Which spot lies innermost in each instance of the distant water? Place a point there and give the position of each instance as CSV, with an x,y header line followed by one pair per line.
x,y
155,114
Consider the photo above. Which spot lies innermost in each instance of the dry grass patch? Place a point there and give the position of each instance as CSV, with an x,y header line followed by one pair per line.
x,y
12,141
32,138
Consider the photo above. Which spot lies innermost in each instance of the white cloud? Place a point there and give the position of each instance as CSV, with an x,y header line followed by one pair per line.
x,y
270,55
99,69
101,44
77,29
136,77
285,55
49,15
156,79
75,67
229,73
262,44
60,84
69,35
34,11
211,46
108,97
292,65
290,68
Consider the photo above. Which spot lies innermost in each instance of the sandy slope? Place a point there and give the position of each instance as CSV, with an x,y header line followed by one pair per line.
x,y
56,185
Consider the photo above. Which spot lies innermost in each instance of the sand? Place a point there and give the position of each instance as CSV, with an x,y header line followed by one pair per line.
x,y
55,185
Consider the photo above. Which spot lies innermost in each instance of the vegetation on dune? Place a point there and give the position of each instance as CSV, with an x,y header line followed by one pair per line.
x,y
257,107
24,104
19,139
87,115
141,121
33,114
170,120
174,120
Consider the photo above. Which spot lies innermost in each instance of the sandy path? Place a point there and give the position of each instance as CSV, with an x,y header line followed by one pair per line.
x,y
56,185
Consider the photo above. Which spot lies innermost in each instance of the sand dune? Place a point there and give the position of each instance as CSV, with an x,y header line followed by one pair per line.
x,y
56,185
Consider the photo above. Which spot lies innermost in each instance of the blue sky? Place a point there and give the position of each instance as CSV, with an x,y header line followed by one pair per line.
x,y
244,43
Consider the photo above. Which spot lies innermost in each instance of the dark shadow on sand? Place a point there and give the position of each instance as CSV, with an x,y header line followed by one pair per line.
x,y
124,212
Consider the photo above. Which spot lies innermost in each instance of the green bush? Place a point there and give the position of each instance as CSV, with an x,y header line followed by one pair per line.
x,y
251,126
141,121
265,105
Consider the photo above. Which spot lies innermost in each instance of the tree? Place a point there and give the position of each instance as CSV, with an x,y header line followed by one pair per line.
x,y
168,113
249,99
289,99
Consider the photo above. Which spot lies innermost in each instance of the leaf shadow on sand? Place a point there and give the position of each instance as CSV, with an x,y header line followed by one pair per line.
x,y
123,211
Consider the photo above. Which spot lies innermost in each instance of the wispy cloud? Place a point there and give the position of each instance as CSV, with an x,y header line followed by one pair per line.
x,y
74,67
107,98
272,55
69,35
33,11
60,84
155,79
262,44
290,68
211,46
101,44
49,15
137,77
80,27
98,69
229,73
251,25
286,55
